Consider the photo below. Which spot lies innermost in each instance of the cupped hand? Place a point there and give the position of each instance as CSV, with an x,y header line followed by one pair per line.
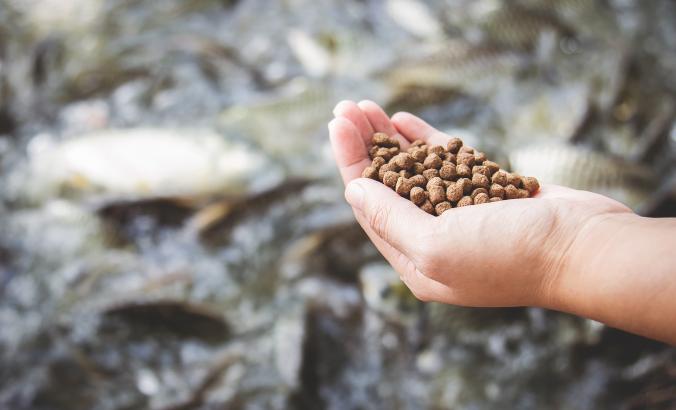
x,y
506,253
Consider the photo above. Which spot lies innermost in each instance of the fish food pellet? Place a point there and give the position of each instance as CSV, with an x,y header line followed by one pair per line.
x,y
500,178
432,161
404,160
403,186
478,191
442,207
390,179
530,184
465,201
438,179
437,194
370,172
466,185
497,191
419,180
454,192
463,171
465,158
481,198
454,145
383,140
427,207
418,195
430,173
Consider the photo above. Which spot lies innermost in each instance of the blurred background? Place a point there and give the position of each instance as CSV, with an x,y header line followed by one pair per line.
x,y
173,233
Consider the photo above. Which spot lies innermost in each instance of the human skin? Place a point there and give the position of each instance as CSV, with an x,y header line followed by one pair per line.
x,y
563,249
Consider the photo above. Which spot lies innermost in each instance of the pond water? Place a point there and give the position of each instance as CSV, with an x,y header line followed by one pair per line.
x,y
173,233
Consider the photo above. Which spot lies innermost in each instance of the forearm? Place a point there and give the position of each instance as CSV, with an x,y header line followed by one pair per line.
x,y
622,271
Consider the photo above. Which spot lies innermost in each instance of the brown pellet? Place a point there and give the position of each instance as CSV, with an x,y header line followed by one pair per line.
x,y
463,171
383,152
390,179
405,173
514,179
433,161
377,162
494,199
370,172
442,207
511,192
479,158
404,160
480,169
496,191
430,173
427,207
418,195
448,171
436,149
454,192
418,168
454,145
492,166
384,169
465,201
384,140
418,154
436,181
481,198
478,191
465,149
465,158
480,181
523,193
466,185
530,184
419,180
500,178
437,194
403,186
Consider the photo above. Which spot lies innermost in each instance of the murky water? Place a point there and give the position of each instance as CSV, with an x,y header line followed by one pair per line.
x,y
172,228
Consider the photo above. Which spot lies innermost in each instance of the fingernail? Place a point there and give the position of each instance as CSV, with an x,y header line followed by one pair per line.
x,y
354,194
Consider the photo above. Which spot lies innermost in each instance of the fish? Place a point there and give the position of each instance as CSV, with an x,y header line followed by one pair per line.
x,y
582,168
521,28
457,65
140,163
182,318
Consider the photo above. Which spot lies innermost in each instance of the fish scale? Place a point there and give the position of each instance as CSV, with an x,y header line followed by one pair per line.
x,y
581,168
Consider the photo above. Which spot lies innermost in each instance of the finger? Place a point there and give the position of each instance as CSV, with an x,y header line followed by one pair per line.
x,y
395,219
413,128
348,149
351,111
421,286
380,122
554,191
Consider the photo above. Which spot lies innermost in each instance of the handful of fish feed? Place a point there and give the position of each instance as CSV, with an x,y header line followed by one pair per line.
x,y
437,178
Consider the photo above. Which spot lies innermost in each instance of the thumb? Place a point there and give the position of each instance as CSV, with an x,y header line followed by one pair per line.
x,y
396,220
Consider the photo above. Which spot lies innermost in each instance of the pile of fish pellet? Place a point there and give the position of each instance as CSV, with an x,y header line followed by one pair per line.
x,y
437,178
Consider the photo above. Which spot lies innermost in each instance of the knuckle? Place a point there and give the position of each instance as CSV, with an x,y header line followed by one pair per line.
x,y
416,287
379,219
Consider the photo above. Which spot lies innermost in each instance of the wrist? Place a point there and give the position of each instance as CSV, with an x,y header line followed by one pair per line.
x,y
574,254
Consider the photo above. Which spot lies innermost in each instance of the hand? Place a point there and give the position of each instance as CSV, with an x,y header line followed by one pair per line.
x,y
507,253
